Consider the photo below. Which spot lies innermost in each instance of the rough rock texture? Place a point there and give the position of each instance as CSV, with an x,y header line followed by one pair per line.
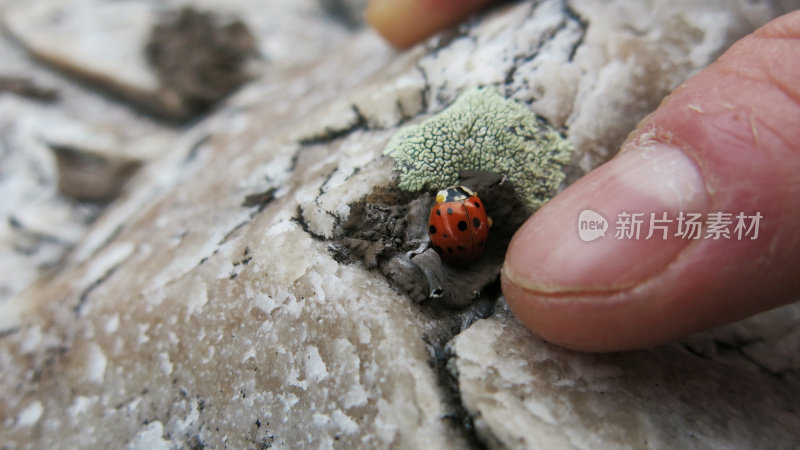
x,y
184,319
482,131
523,392
105,43
38,223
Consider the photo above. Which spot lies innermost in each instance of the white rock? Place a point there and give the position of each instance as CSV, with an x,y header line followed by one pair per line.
x,y
30,415
80,406
524,393
38,225
96,363
150,438
105,42
235,326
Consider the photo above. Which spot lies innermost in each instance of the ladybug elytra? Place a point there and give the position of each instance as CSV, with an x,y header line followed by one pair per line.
x,y
458,225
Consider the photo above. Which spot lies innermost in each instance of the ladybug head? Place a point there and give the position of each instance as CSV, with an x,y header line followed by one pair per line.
x,y
453,194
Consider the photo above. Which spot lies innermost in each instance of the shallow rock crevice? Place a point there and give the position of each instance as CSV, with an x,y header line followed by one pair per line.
x,y
566,25
647,392
446,327
359,122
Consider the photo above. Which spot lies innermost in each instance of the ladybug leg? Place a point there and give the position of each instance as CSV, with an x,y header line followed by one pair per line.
x,y
416,232
407,276
421,247
431,266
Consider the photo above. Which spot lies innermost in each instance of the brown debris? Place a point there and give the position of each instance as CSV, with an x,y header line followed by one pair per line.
x,y
198,58
260,199
25,87
84,175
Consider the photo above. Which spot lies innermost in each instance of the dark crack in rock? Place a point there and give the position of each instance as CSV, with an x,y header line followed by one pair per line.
x,y
349,12
90,176
27,88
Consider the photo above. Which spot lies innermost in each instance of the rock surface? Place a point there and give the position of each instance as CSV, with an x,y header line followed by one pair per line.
x,y
106,43
523,392
38,223
184,319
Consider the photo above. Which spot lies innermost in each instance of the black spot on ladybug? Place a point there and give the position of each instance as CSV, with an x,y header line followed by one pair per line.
x,y
480,244
450,250
476,223
477,205
432,229
462,225
445,236
461,248
438,212
449,210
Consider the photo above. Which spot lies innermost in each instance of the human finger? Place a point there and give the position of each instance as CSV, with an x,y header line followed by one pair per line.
x,y
727,142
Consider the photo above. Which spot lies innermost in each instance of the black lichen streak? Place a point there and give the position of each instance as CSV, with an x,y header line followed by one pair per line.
x,y
332,134
387,229
447,325
300,219
233,231
582,23
86,292
196,443
238,266
260,199
245,261
9,332
195,149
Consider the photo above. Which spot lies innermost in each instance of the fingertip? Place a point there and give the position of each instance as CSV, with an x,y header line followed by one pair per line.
x,y
573,244
734,124
404,23
588,323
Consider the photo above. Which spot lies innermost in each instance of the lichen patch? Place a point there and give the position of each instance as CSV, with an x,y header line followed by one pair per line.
x,y
482,131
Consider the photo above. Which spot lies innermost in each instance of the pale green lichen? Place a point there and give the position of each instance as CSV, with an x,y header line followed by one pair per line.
x,y
483,131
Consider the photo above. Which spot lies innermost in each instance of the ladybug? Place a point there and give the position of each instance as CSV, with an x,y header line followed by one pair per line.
x,y
458,225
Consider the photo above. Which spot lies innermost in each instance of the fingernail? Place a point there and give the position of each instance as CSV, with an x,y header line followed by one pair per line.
x,y
549,255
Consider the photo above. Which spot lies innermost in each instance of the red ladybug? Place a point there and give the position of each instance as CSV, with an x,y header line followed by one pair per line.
x,y
458,225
